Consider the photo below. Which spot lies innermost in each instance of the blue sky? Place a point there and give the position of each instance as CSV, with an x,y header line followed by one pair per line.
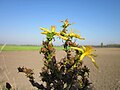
x,y
96,20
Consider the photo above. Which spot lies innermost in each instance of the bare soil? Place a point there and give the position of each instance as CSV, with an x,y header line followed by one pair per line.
x,y
106,78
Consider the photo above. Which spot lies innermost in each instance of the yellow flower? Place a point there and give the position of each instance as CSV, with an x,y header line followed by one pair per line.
x,y
86,51
53,28
52,31
66,23
46,31
72,34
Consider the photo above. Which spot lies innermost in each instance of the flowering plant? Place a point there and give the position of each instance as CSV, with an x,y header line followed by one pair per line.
x,y
69,73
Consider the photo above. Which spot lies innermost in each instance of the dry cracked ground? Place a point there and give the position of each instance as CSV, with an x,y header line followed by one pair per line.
x,y
106,78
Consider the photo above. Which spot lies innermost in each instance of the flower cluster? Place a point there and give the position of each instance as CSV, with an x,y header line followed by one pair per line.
x,y
69,73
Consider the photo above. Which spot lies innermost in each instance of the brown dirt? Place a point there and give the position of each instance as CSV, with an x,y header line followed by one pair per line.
x,y
106,78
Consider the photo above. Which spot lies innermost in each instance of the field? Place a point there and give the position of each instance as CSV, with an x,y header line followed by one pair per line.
x,y
24,47
106,78
19,47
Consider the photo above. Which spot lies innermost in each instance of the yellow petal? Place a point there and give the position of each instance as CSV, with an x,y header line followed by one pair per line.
x,y
44,33
66,35
44,29
76,36
63,34
81,38
56,33
82,56
93,61
83,47
89,48
64,38
72,35
79,49
66,22
94,55
53,28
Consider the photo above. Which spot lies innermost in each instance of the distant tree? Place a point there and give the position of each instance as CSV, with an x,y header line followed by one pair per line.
x,y
101,44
